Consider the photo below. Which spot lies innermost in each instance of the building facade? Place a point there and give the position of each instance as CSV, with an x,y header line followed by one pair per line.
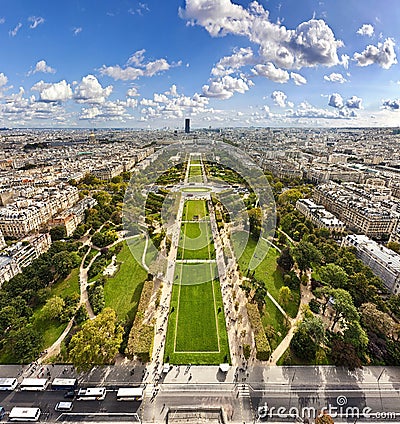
x,y
384,262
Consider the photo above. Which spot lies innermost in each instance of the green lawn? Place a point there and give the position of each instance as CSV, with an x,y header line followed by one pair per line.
x,y
266,271
195,174
196,311
196,241
122,291
194,209
274,321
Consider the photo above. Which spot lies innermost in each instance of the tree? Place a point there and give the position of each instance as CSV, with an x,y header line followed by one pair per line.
x,y
324,418
63,263
255,218
377,321
344,354
25,343
342,304
324,293
285,295
333,275
356,336
97,342
285,260
308,336
58,233
394,246
290,196
305,254
53,308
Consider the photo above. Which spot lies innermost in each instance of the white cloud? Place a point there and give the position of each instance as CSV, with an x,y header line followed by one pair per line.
x,y
77,30
3,80
139,69
336,101
335,77
172,91
108,111
173,106
36,21
312,43
42,66
271,72
298,79
279,98
58,92
344,60
307,111
366,29
225,87
89,90
229,64
14,31
383,55
354,102
391,104
2,21
132,92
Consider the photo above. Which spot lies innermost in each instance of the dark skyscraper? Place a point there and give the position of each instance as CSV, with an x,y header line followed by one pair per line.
x,y
187,125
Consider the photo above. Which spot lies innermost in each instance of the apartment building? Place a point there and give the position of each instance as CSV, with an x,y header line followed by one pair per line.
x,y
358,210
72,217
2,242
384,262
22,254
319,216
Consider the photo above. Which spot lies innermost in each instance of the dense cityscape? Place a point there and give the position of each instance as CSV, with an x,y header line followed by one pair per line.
x,y
324,292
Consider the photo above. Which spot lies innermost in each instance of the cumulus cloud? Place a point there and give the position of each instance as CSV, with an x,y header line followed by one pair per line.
x,y
312,43
271,72
132,92
58,92
279,98
335,77
139,69
229,64
354,102
366,29
383,55
3,80
109,111
298,79
307,111
225,87
391,104
89,90
42,66
36,21
77,30
336,101
173,106
14,31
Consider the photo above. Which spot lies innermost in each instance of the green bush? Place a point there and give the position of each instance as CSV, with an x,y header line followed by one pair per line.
x,y
262,345
141,335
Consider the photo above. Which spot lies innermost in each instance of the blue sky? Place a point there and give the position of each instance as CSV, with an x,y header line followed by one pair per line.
x,y
152,63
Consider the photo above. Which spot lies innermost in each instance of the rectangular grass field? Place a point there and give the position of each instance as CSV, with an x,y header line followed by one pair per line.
x,y
194,210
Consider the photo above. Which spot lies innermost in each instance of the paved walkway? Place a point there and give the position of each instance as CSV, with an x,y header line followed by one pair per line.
x,y
306,296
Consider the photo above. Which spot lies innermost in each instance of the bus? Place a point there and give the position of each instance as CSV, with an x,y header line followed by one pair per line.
x,y
92,393
19,413
130,393
8,383
34,384
64,384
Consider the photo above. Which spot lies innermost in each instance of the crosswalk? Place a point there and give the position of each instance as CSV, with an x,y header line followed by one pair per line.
x,y
243,391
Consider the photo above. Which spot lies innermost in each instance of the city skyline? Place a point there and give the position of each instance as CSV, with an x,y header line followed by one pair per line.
x,y
148,64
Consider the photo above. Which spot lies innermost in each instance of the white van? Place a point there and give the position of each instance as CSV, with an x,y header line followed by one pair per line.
x,y
24,414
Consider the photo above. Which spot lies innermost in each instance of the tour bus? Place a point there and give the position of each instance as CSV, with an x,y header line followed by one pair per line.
x,y
8,383
34,384
92,393
24,414
64,384
130,393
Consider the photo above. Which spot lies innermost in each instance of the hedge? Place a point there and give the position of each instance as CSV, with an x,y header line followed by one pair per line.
x,y
140,339
263,348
